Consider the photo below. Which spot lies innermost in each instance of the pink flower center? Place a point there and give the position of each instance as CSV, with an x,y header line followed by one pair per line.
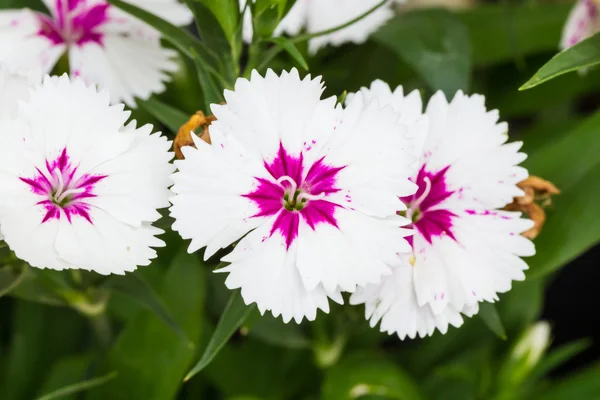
x,y
428,218
60,191
74,22
292,195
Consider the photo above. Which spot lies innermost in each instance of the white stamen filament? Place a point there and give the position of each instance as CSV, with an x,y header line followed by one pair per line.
x,y
61,184
309,196
293,185
416,203
68,193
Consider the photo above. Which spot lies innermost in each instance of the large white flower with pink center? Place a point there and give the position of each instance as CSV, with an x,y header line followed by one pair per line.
x,y
465,248
78,189
105,46
310,191
319,15
583,22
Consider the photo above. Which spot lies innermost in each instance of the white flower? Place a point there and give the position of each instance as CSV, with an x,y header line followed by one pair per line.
x,y
78,189
465,249
320,15
105,46
583,22
14,86
311,190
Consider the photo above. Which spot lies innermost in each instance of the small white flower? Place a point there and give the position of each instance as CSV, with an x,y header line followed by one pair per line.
x,y
105,46
583,22
465,249
14,86
319,15
312,191
78,189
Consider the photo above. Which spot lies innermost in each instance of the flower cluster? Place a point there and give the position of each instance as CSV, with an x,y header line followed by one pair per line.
x,y
399,205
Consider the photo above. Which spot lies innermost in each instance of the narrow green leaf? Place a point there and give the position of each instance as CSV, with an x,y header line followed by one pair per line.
x,y
227,12
211,93
291,49
362,374
583,55
150,358
489,315
213,35
78,387
559,356
10,278
435,43
37,341
134,286
233,317
168,115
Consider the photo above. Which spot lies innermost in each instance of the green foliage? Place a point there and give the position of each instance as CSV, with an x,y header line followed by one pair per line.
x,y
583,55
173,331
435,44
231,320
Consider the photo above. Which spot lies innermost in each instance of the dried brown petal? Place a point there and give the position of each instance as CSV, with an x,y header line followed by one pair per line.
x,y
537,194
184,135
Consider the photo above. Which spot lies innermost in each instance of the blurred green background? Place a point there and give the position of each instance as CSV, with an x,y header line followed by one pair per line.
x,y
137,337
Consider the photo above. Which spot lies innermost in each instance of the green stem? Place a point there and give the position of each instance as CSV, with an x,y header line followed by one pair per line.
x,y
274,51
102,329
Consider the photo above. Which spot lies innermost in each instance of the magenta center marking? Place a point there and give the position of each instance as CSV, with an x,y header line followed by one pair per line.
x,y
291,194
74,22
61,191
428,219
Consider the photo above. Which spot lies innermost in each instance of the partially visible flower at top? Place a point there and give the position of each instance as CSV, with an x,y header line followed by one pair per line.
x,y
14,87
78,189
583,22
465,248
319,15
105,46
310,189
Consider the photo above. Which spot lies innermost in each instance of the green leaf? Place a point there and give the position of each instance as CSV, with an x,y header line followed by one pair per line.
x,y
363,374
212,33
435,44
274,331
149,357
38,338
78,387
170,116
10,277
211,93
559,356
227,12
266,15
501,32
231,320
489,315
291,49
580,385
67,371
134,286
562,239
583,55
